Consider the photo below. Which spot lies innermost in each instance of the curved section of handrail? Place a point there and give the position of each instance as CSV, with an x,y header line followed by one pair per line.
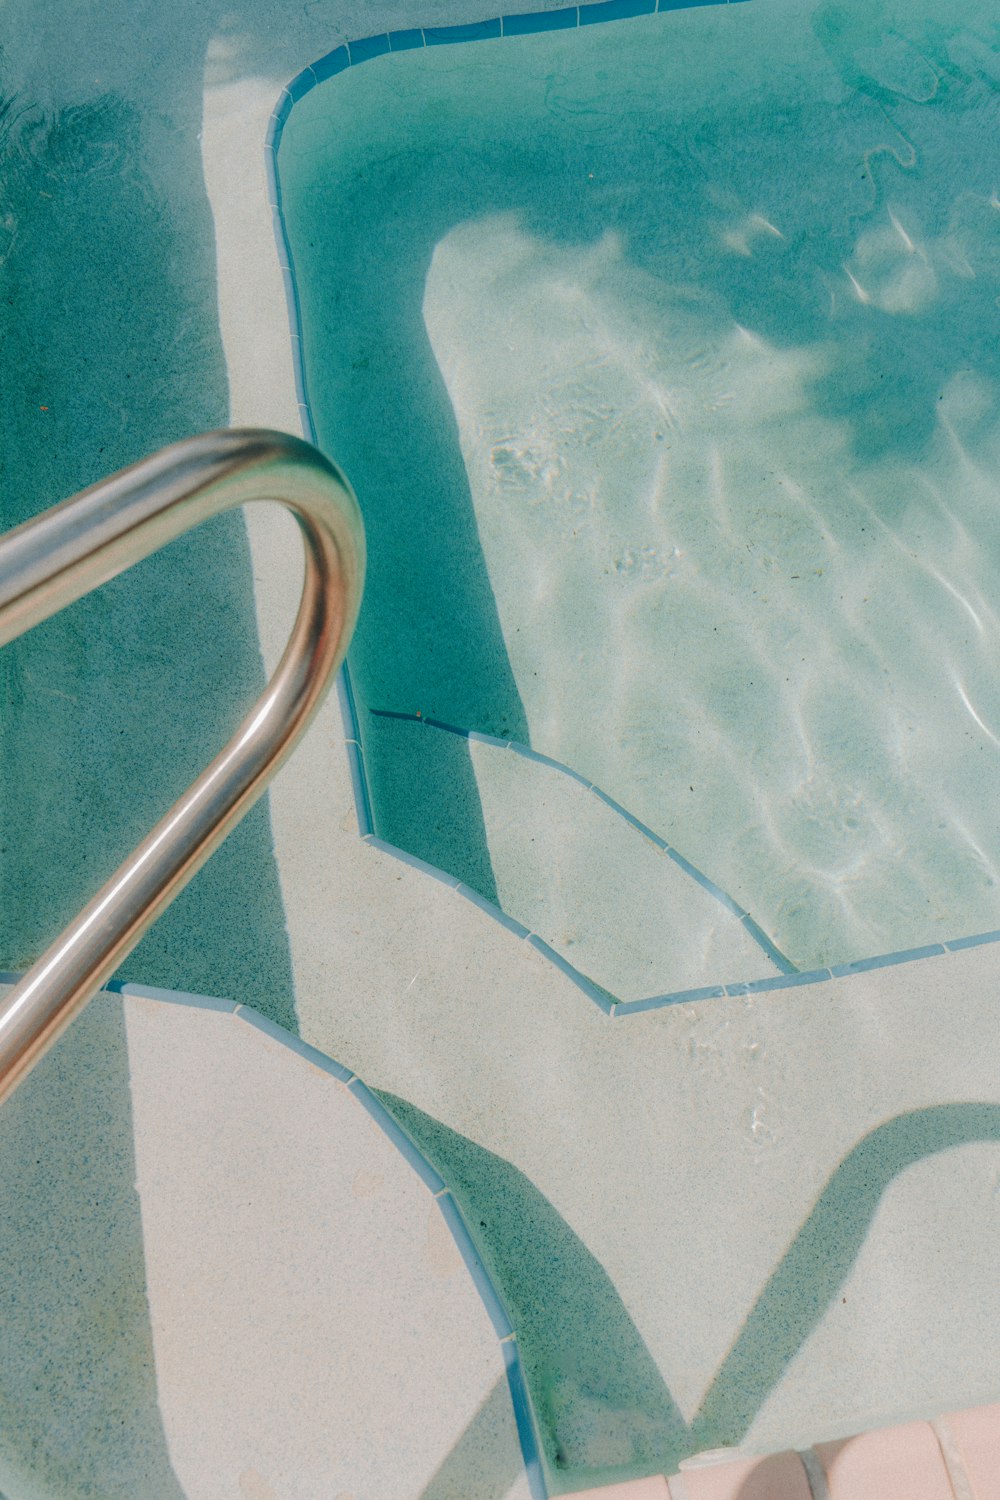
x,y
61,555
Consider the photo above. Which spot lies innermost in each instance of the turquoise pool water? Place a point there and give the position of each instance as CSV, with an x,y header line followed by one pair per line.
x,y
109,321
662,355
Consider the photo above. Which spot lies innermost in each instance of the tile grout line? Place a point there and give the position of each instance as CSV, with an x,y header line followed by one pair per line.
x,y
819,1489
951,1455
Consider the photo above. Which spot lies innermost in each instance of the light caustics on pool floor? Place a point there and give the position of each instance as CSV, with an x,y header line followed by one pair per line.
x,y
710,411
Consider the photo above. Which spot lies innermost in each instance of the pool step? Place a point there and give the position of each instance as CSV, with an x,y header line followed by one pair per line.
x,y
575,868
609,896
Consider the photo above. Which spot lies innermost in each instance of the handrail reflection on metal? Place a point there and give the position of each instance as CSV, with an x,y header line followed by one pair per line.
x,y
61,555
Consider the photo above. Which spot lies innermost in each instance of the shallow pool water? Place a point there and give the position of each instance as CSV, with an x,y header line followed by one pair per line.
x,y
662,355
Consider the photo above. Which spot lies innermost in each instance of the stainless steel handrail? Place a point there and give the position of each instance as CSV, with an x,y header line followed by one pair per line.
x,y
78,545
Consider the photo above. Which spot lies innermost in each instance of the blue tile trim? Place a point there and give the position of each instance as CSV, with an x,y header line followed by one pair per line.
x,y
293,1043
368,47
475,31
169,997
448,728
957,944
348,704
659,1002
388,713
484,1285
415,863
762,940
352,747
593,991
385,1121
623,812
498,915
281,111
886,960
541,20
406,41
524,1419
359,786
301,84
527,753
706,884
615,10
333,63
779,982
487,739
273,134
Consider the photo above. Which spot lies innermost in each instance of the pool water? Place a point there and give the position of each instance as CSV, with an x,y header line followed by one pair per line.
x,y
662,356
760,1220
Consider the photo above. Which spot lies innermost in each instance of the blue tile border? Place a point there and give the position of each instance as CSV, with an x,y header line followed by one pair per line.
x,y
885,960
496,912
595,992
524,1418
976,941
431,1179
169,997
472,31
615,10
368,47
333,63
405,41
452,1216
535,21
293,1043
677,997
414,861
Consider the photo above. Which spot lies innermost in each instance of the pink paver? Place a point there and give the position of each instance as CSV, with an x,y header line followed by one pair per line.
x,y
976,1436
893,1463
781,1476
636,1489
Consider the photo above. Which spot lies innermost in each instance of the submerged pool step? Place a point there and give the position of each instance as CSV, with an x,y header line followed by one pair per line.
x,y
604,892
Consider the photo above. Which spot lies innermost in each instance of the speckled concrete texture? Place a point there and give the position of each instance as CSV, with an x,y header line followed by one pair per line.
x,y
224,1282
314,1327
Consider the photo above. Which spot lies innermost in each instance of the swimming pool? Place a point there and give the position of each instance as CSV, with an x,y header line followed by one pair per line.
x,y
633,339
696,460
763,1219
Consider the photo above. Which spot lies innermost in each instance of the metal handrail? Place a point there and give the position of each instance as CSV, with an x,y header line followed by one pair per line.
x,y
61,555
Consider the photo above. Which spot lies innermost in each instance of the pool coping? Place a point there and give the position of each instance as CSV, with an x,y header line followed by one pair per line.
x,y
352,54
448,1206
